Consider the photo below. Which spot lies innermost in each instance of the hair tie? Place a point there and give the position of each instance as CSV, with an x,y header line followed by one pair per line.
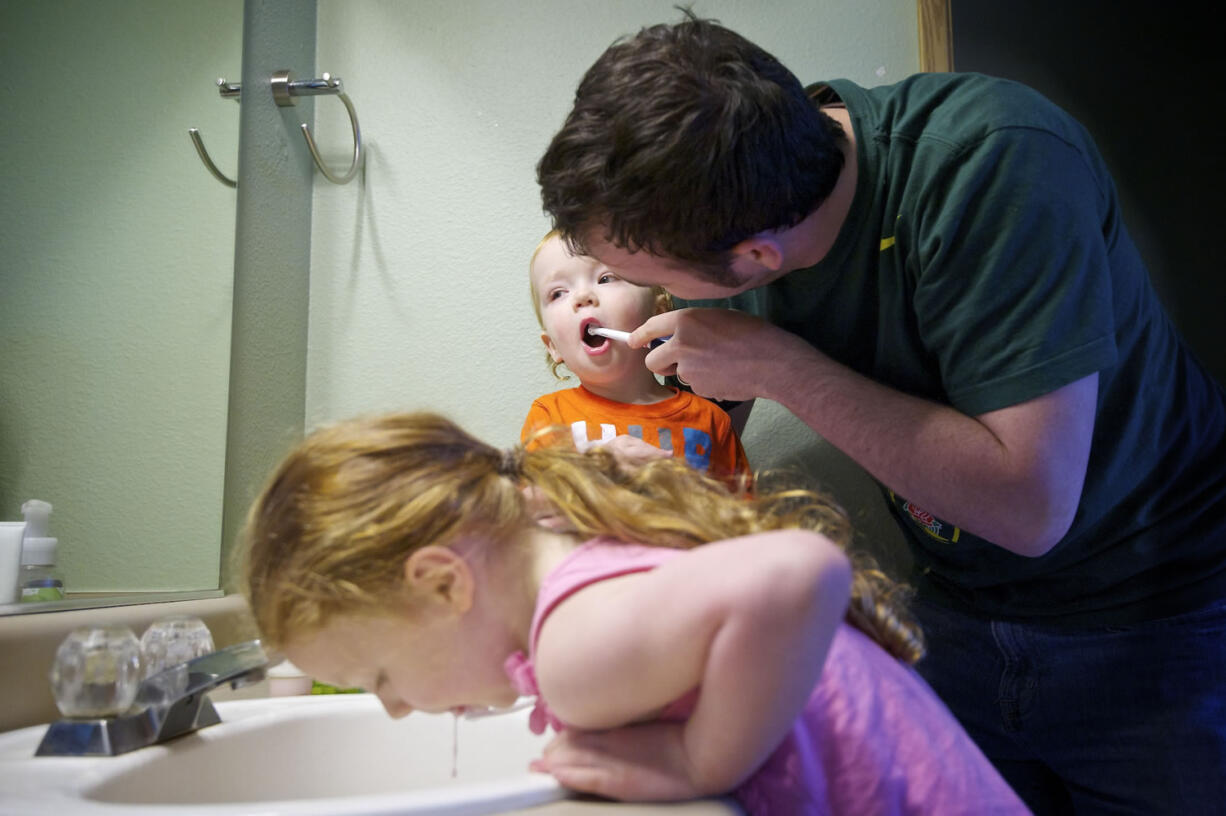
x,y
510,462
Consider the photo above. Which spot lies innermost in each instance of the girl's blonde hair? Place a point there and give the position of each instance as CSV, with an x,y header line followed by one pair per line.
x,y
663,302
330,532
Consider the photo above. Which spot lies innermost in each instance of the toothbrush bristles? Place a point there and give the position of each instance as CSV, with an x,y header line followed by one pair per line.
x,y
612,334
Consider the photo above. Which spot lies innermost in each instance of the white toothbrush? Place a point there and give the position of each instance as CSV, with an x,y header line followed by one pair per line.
x,y
614,334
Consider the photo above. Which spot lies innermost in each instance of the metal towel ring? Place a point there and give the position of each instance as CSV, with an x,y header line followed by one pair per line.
x,y
285,92
194,133
227,90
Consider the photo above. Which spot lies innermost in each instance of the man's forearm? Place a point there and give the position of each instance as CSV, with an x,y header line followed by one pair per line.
x,y
1005,479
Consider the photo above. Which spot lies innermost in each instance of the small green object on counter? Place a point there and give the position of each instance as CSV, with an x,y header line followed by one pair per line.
x,y
323,688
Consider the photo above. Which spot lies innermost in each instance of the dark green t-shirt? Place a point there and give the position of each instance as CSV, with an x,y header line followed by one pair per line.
x,y
984,263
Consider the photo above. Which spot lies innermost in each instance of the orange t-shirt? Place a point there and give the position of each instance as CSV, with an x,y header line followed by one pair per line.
x,y
691,427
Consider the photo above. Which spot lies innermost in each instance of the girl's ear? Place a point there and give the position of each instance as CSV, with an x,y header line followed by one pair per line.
x,y
664,302
550,347
440,575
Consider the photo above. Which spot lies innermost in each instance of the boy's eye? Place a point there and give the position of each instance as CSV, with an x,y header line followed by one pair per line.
x,y
554,294
607,277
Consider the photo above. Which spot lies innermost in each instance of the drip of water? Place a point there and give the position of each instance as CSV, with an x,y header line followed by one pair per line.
x,y
455,744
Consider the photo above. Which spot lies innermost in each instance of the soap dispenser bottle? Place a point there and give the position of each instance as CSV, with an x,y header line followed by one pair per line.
x,y
38,579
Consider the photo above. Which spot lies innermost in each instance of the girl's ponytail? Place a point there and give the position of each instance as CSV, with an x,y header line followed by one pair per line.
x,y
877,608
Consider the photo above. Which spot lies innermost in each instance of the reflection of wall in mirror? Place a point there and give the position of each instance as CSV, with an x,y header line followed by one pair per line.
x,y
117,277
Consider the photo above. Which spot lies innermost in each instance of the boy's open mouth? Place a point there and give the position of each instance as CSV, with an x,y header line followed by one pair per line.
x,y
593,341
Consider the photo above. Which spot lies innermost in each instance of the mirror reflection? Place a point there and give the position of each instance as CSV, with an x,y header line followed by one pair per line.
x,y
117,278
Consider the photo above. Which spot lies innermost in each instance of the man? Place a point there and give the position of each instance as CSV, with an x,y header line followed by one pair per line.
x,y
935,277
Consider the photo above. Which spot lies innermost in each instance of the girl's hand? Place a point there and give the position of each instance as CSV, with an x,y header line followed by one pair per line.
x,y
634,763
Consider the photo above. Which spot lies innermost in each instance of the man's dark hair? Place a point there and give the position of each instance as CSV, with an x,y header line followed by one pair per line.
x,y
684,140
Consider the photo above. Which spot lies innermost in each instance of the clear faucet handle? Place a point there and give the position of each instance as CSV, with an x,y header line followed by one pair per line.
x,y
96,672
173,640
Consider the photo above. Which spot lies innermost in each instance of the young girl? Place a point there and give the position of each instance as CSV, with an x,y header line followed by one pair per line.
x,y
685,641
617,395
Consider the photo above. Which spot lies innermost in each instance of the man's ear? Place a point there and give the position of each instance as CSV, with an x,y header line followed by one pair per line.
x,y
550,347
762,249
440,575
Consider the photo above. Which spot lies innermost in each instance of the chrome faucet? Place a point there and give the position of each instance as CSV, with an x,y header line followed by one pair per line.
x,y
169,704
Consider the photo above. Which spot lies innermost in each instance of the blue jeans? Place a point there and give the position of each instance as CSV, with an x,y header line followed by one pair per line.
x,y
1127,719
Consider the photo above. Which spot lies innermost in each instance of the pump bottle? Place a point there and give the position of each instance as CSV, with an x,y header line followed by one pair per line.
x,y
38,579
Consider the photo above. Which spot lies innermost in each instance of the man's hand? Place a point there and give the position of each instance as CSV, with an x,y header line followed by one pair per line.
x,y
720,353
635,763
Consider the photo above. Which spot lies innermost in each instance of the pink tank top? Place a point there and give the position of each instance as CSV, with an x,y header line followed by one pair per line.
x,y
873,738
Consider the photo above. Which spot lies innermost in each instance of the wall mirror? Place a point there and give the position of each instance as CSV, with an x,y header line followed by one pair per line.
x,y
116,260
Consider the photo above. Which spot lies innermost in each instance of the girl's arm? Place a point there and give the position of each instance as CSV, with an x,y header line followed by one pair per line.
x,y
748,620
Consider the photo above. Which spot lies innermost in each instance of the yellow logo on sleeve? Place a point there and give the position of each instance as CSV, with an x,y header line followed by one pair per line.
x,y
886,243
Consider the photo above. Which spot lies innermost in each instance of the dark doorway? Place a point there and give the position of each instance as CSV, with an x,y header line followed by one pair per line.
x,y
1146,79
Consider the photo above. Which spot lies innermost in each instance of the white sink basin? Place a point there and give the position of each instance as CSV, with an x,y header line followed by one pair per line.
x,y
337,754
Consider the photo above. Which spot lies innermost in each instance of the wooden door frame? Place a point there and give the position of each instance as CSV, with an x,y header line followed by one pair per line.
x,y
936,42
